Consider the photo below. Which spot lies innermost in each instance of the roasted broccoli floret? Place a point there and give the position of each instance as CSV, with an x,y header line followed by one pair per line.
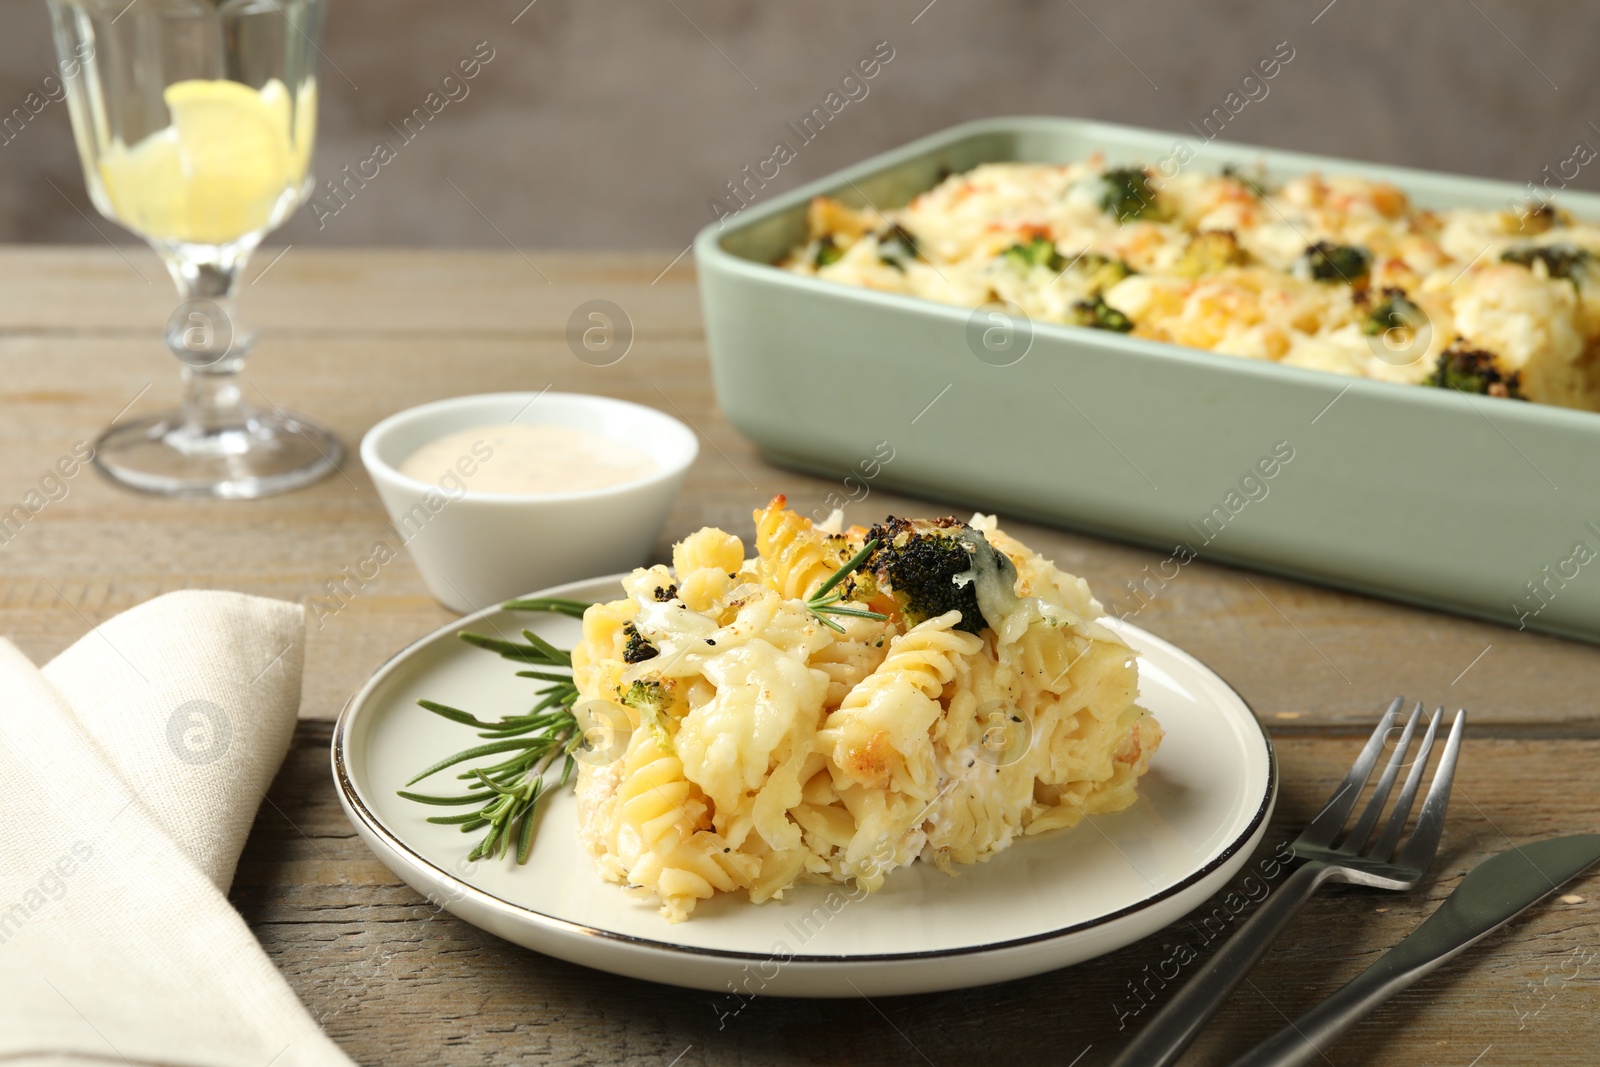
x,y
1102,272
651,699
1210,252
646,693
1560,261
1099,315
898,246
1231,171
1474,370
918,561
1128,194
1329,262
1395,311
828,251
637,648
1038,252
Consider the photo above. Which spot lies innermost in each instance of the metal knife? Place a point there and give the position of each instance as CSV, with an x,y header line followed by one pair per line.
x,y
1490,896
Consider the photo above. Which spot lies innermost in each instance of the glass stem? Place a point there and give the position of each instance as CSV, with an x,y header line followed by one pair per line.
x,y
207,337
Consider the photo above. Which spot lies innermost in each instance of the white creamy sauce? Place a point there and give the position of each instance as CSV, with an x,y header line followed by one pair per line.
x,y
517,458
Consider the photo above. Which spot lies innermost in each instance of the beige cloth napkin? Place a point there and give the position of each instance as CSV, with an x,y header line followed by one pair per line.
x,y
131,768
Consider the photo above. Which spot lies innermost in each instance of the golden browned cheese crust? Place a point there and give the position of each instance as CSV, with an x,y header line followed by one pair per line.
x,y
1339,273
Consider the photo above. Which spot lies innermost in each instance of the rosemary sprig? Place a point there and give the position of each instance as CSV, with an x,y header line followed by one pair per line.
x,y
826,600
505,795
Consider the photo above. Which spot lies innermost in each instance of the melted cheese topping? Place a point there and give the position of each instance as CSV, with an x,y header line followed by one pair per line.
x,y
766,747
1213,262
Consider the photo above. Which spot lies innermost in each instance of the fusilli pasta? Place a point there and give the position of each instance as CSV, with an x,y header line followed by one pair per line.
x,y
771,739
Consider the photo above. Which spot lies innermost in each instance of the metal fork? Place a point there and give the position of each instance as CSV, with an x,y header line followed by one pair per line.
x,y
1351,861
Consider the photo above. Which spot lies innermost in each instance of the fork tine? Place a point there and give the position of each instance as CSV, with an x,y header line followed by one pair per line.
x,y
1408,792
1328,821
1424,841
1380,792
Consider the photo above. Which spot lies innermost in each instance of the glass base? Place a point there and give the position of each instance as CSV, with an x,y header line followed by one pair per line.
x,y
267,453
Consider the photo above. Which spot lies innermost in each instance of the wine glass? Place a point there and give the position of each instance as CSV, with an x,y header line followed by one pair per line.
x,y
194,121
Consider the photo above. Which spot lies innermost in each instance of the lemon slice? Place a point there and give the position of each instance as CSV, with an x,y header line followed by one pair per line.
x,y
300,120
220,170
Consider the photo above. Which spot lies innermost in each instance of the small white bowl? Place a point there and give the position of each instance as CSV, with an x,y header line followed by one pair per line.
x,y
476,549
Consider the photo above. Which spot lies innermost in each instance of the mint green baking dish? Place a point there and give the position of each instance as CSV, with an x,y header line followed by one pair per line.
x,y
1476,505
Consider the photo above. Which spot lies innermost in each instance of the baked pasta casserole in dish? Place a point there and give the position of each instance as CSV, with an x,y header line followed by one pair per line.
x,y
1340,274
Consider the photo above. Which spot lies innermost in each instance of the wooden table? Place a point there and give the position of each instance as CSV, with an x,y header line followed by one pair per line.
x,y
353,336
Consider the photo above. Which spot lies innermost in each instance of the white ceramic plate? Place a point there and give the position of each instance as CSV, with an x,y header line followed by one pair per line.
x,y
1044,903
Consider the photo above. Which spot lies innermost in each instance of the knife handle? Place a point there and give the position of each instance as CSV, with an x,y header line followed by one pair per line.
x,y
1304,1040
1175,1026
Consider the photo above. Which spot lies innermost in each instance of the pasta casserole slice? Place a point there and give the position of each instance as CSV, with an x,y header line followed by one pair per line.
x,y
777,721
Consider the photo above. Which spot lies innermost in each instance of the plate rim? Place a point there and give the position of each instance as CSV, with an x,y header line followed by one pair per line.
x,y
354,805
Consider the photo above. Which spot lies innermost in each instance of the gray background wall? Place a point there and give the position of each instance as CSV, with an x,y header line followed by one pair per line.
x,y
608,124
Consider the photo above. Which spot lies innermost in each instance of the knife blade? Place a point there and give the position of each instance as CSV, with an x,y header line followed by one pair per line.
x,y
1491,895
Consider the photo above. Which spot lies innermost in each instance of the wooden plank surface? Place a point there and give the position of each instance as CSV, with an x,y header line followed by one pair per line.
x,y
397,982
353,336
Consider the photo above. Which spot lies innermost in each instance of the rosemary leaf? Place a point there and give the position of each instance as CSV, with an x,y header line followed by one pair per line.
x,y
479,750
485,846
525,838
563,678
553,700
556,655
844,572
450,820
515,731
528,653
454,714
829,623
427,798
554,604
502,790
854,613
